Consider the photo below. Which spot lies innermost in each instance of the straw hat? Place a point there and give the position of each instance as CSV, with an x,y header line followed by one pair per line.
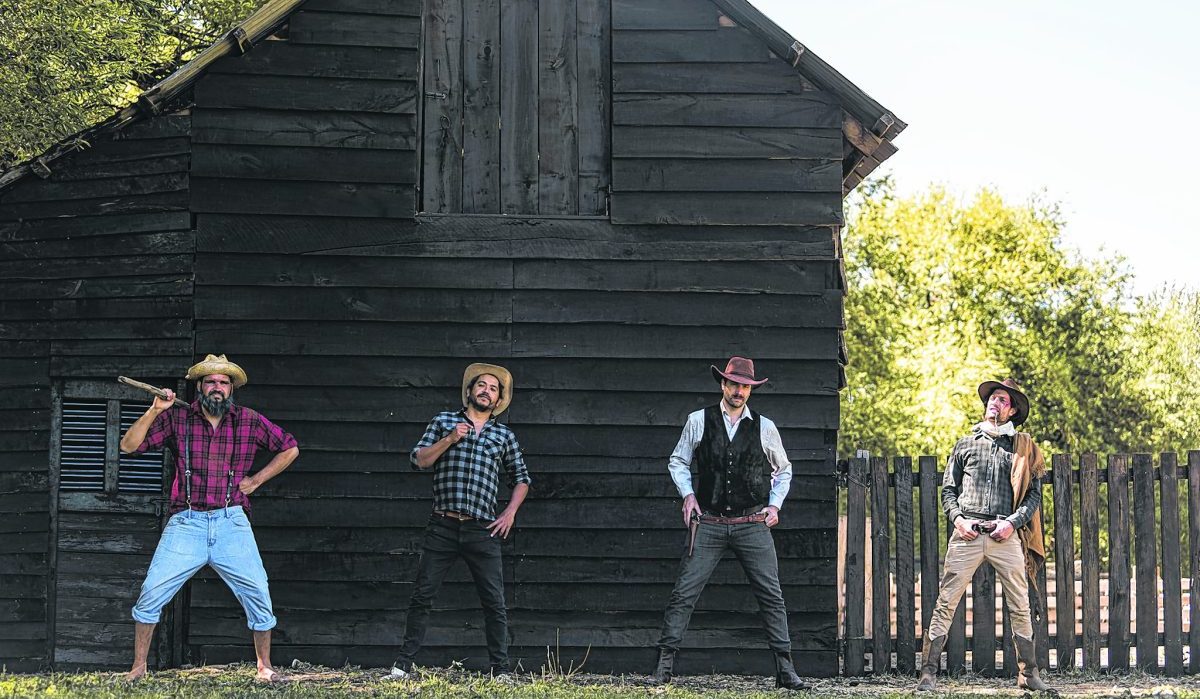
x,y
218,364
506,383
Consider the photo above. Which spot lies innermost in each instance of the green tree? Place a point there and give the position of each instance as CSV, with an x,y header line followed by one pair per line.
x,y
65,64
944,293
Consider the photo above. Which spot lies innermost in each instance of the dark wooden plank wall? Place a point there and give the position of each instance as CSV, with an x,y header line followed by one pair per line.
x,y
516,107
710,127
95,281
355,323
355,350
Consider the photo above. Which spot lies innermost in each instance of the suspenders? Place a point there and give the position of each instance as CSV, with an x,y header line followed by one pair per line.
x,y
187,462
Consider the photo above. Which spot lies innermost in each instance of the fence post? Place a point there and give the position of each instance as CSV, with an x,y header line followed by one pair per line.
x,y
1118,562
1089,553
1171,572
1041,626
983,620
881,631
856,586
906,603
931,516
1193,476
1064,563
1147,562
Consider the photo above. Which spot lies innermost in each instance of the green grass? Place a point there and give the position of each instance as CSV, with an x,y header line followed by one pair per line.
x,y
453,683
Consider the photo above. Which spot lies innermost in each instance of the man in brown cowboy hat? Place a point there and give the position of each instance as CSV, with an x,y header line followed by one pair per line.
x,y
215,441
741,478
992,496
467,450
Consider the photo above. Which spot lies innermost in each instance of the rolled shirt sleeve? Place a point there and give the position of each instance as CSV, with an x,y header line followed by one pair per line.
x,y
514,463
161,429
272,437
433,433
781,466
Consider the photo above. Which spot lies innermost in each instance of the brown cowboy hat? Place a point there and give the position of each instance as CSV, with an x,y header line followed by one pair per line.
x,y
218,364
1020,401
506,383
738,370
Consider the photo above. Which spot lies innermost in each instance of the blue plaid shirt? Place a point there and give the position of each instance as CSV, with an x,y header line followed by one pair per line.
x,y
466,478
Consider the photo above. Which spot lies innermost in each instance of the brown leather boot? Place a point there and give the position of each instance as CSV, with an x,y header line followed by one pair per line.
x,y
931,660
666,667
1027,669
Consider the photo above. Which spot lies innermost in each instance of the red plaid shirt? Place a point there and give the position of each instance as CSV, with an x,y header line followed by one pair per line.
x,y
213,453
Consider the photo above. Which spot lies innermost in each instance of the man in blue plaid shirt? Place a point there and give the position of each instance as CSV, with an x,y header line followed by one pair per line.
x,y
467,450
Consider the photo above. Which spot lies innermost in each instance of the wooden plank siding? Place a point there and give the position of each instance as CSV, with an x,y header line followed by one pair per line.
x,y
710,127
96,280
516,107
354,354
323,124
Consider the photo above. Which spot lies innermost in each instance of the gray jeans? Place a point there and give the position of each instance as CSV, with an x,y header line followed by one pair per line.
x,y
755,549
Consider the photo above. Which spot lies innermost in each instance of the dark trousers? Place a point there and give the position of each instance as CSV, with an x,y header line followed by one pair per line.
x,y
445,540
755,549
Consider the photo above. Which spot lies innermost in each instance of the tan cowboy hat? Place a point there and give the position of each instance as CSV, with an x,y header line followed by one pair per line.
x,y
1020,401
738,370
218,364
506,383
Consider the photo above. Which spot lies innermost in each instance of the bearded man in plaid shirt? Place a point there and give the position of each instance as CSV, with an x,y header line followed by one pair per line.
x,y
214,441
467,450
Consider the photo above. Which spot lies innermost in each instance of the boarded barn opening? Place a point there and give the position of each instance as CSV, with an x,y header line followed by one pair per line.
x,y
516,107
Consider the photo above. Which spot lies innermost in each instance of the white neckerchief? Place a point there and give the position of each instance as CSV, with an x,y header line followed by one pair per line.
x,y
994,431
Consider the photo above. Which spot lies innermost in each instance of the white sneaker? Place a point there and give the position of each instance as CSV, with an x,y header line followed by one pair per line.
x,y
396,674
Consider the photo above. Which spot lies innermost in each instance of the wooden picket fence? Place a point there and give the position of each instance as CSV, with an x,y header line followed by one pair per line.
x,y
1097,632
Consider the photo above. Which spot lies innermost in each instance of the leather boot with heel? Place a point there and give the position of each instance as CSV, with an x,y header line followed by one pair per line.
x,y
931,660
1027,669
666,667
785,673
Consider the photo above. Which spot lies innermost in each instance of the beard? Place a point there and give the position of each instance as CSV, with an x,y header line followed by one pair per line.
x,y
217,407
474,401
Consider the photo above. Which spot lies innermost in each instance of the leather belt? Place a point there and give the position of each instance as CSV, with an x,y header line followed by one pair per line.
x,y
986,518
694,524
450,514
745,519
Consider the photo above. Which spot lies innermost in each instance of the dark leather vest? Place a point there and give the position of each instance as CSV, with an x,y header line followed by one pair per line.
x,y
730,476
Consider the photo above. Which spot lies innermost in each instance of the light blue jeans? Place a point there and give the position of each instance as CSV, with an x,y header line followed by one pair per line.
x,y
222,539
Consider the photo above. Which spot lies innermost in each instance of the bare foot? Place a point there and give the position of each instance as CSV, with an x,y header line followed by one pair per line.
x,y
268,674
137,673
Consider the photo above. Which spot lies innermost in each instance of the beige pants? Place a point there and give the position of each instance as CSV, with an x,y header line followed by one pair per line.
x,y
962,558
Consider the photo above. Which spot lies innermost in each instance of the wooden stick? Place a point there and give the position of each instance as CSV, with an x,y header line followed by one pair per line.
x,y
161,393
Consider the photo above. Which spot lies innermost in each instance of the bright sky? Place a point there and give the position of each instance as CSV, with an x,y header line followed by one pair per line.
x,y
1088,103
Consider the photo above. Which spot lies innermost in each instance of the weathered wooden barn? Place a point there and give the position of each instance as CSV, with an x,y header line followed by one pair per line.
x,y
356,198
